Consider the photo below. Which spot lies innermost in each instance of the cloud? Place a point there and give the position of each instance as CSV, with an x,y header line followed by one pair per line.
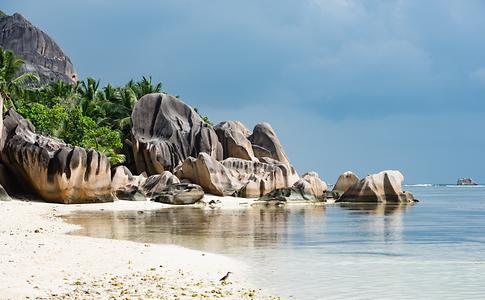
x,y
348,84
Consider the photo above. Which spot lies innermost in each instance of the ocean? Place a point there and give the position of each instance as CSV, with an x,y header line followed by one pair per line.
x,y
433,249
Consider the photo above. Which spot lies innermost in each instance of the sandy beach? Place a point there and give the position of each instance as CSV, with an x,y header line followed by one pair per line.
x,y
40,261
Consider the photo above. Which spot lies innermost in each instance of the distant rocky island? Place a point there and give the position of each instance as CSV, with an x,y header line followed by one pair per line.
x,y
465,181
177,156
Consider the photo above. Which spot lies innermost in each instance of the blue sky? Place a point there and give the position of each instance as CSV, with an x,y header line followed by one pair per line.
x,y
347,85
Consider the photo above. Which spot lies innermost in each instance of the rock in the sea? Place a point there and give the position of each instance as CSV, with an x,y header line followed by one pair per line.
x,y
233,137
156,183
41,53
166,131
54,170
125,186
179,194
309,188
384,187
344,182
465,181
234,176
266,144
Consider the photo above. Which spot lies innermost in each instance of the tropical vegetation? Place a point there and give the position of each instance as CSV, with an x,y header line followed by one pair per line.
x,y
82,113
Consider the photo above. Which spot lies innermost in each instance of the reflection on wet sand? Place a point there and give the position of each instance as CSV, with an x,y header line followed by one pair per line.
x,y
227,231
204,229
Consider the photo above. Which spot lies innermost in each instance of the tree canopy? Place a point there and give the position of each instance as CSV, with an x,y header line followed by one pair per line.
x,y
82,113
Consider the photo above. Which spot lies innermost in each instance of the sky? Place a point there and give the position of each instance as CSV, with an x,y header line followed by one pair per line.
x,y
347,85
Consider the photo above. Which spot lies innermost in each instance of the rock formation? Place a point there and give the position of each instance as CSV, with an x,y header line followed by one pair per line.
x,y
235,176
54,170
40,52
125,186
309,188
156,183
465,181
179,194
344,182
166,131
384,187
266,143
234,139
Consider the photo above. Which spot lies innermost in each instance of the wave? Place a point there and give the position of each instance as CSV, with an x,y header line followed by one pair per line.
x,y
419,185
464,186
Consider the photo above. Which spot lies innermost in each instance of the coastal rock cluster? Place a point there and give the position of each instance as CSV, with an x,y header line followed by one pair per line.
x,y
178,158
41,53
55,171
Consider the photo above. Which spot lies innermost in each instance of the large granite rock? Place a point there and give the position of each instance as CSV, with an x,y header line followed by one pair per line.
x,y
54,170
384,187
125,186
237,177
309,188
156,183
179,194
344,182
266,144
166,131
234,139
210,174
40,52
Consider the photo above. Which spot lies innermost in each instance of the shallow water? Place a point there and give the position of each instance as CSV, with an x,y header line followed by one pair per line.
x,y
433,249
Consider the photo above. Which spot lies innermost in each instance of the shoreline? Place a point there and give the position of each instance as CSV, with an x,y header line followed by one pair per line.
x,y
40,260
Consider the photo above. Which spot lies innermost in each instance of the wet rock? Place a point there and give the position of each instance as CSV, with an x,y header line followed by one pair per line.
x,y
179,194
166,131
56,171
384,187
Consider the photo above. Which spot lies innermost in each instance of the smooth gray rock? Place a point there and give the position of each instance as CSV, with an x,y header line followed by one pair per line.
x,y
266,144
156,183
179,194
166,131
41,53
233,137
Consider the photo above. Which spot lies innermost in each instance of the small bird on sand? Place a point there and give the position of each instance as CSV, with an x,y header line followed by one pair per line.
x,y
225,278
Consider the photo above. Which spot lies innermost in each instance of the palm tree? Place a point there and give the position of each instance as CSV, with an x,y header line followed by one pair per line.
x,y
12,84
90,99
143,87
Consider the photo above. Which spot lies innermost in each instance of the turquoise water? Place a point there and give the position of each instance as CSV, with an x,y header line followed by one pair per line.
x,y
434,249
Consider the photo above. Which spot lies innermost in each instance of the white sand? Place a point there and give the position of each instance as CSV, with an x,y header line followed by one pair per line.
x,y
37,259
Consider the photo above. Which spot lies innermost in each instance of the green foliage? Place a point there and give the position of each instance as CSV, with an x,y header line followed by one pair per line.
x,y
13,85
205,119
47,120
82,114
